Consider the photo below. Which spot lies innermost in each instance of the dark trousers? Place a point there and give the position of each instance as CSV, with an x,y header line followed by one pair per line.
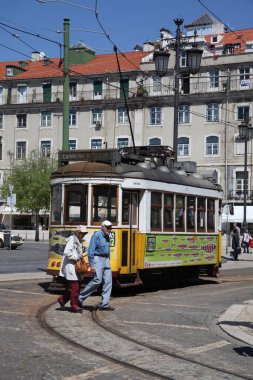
x,y
245,247
71,293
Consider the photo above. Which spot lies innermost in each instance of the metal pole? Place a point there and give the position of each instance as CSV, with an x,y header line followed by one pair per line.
x,y
65,132
245,182
178,22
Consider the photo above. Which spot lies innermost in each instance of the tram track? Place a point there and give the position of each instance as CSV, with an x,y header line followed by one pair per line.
x,y
142,350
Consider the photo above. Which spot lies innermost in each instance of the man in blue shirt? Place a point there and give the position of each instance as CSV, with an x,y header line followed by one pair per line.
x,y
99,260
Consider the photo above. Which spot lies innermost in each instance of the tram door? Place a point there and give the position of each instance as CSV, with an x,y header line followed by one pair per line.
x,y
129,238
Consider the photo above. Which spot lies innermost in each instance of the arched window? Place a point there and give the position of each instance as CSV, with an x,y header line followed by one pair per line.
x,y
212,145
155,141
183,146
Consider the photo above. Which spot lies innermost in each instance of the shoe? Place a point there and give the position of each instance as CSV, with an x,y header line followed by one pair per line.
x,y
76,310
61,305
105,308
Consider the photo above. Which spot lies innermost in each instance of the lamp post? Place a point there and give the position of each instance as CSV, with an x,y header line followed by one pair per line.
x,y
161,59
246,134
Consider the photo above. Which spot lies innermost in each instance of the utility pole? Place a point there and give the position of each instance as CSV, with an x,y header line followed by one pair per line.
x,y
65,132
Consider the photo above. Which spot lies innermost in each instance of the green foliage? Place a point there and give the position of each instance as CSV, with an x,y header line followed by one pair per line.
x,y
31,180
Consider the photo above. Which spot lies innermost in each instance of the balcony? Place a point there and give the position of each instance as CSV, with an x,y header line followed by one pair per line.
x,y
238,196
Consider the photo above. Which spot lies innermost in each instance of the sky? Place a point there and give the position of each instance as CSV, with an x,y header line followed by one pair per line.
x,y
126,23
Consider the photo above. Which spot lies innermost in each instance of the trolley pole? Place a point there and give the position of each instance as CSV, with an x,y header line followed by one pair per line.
x,y
65,132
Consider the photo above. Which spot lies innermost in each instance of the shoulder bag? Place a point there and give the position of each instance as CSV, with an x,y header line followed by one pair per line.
x,y
81,266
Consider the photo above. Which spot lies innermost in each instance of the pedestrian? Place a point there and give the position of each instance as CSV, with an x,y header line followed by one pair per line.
x,y
238,228
72,252
99,260
236,243
245,241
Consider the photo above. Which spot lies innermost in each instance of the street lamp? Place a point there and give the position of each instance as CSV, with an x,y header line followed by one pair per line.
x,y
246,134
161,59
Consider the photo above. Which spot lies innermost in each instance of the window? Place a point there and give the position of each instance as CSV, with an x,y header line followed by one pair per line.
x,y
214,79
212,145
157,84
97,89
183,146
122,115
185,83
244,75
72,118
45,148
1,148
210,215
201,209
183,59
242,112
21,120
129,208
156,211
56,203
72,144
214,39
47,92
212,112
124,88
96,116
155,116
184,114
9,71
155,141
20,150
22,93
104,204
96,144
46,119
122,142
190,217
240,183
75,203
1,95
180,210
1,120
72,91
168,212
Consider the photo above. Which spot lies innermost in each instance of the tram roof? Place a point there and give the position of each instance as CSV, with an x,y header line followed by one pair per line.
x,y
142,171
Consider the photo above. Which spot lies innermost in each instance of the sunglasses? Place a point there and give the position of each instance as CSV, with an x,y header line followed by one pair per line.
x,y
108,227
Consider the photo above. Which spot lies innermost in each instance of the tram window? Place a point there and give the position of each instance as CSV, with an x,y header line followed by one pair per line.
x,y
156,211
168,212
191,206
180,210
210,214
104,204
75,203
56,200
201,209
134,208
126,208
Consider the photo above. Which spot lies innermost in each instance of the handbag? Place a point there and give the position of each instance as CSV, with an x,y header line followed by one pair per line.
x,y
81,266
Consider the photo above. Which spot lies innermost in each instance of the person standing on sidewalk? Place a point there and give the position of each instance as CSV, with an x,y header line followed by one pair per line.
x,y
245,241
99,260
72,252
236,243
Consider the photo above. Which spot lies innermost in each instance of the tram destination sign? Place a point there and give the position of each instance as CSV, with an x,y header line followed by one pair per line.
x,y
111,156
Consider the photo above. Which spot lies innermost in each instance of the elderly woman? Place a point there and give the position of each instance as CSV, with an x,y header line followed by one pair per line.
x,y
72,252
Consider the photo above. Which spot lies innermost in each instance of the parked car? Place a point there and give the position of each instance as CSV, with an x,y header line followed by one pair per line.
x,y
16,241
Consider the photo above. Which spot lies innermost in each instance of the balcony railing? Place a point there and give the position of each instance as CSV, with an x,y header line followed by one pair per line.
x,y
190,85
238,195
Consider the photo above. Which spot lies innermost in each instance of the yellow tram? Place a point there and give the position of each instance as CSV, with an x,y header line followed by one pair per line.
x,y
164,220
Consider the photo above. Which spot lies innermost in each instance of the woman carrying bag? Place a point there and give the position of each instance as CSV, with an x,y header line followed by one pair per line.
x,y
72,252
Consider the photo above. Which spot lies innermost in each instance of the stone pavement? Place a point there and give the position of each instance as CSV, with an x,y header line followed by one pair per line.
x,y
237,321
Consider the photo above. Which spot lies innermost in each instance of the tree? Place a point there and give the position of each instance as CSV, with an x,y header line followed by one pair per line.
x,y
30,178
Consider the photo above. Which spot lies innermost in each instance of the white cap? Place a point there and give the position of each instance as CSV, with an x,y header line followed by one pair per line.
x,y
82,229
106,223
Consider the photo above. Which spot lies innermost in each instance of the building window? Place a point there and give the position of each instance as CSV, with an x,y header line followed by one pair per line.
x,y
46,119
212,145
1,120
1,95
155,141
242,112
72,118
183,146
96,115
124,88
72,91
96,144
72,144
212,112
155,116
185,83
214,79
122,116
20,150
45,148
157,85
122,142
184,114
183,59
244,75
240,183
97,89
22,93
1,148
21,120
156,211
